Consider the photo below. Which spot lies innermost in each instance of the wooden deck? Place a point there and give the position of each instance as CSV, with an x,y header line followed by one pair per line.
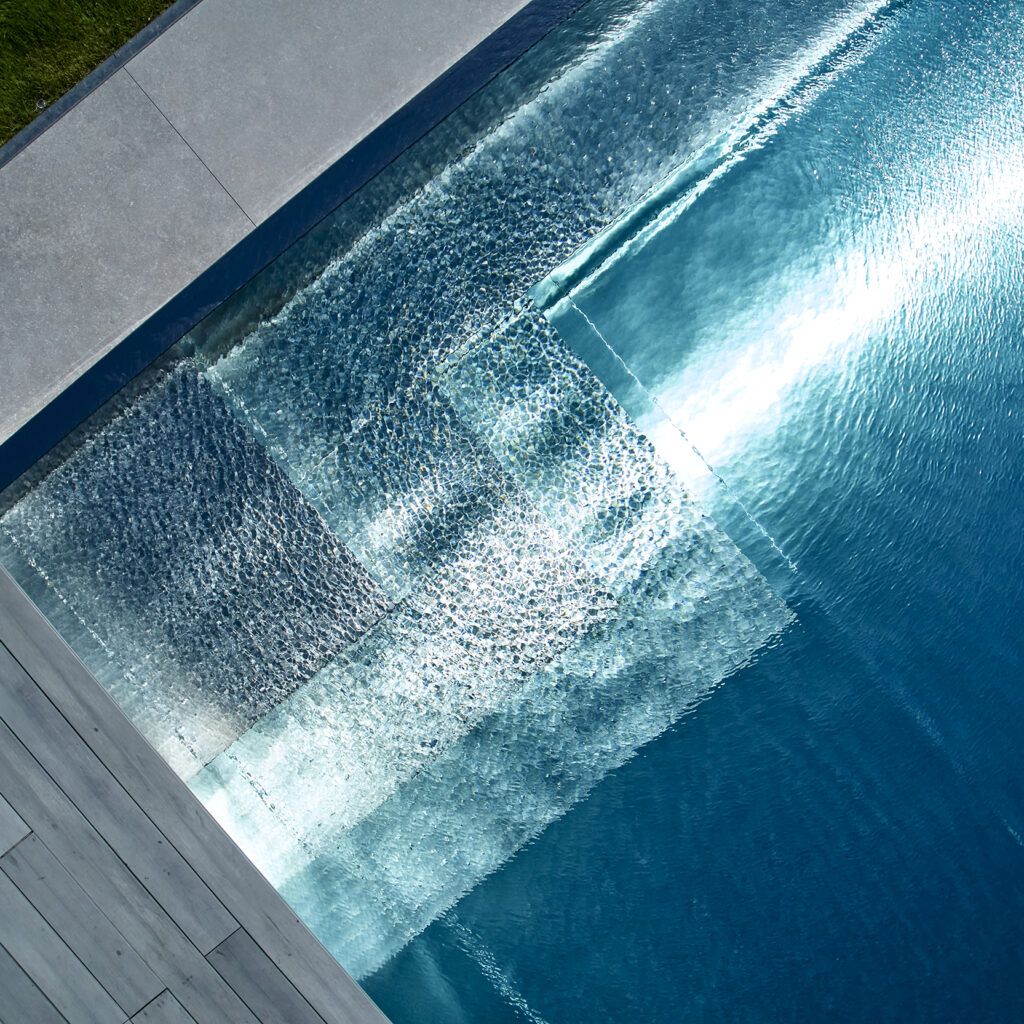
x,y
121,899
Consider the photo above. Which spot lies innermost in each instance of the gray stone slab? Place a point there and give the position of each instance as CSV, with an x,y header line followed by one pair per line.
x,y
101,798
47,960
249,897
105,217
270,93
165,1009
22,1001
80,923
266,991
114,889
12,828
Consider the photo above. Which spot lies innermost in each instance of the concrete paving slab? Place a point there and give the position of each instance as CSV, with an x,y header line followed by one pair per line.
x,y
106,216
270,92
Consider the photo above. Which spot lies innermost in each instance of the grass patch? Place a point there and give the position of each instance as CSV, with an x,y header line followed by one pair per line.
x,y
46,46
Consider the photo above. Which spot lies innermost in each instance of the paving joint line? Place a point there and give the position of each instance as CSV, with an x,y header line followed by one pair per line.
x,y
189,144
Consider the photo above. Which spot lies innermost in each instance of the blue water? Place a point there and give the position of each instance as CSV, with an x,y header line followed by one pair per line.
x,y
837,324
646,650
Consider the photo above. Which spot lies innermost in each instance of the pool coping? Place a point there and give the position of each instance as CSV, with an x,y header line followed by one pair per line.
x,y
146,342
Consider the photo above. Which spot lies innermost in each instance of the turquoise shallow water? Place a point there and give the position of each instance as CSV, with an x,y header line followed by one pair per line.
x,y
416,584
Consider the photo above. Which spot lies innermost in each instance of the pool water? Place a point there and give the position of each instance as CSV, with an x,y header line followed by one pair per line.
x,y
595,595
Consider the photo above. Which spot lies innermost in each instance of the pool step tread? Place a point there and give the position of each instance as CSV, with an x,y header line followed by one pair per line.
x,y
690,610
589,479
212,586
559,433
486,589
397,476
510,599
383,881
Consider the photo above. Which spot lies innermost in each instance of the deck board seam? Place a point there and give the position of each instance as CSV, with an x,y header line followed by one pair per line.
x,y
161,973
60,939
202,881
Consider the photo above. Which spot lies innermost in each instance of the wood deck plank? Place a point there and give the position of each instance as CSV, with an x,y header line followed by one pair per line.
x,y
247,895
81,924
114,889
22,1001
44,956
117,817
266,991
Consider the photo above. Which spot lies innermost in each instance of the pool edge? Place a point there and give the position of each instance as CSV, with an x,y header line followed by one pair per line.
x,y
146,342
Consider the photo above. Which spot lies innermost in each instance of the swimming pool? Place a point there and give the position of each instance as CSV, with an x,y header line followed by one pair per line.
x,y
590,592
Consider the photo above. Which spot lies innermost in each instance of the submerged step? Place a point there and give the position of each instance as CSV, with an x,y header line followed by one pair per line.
x,y
699,614
566,630
562,436
510,600
211,588
383,456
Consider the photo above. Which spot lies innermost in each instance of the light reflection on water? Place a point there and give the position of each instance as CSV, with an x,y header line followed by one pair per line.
x,y
836,325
